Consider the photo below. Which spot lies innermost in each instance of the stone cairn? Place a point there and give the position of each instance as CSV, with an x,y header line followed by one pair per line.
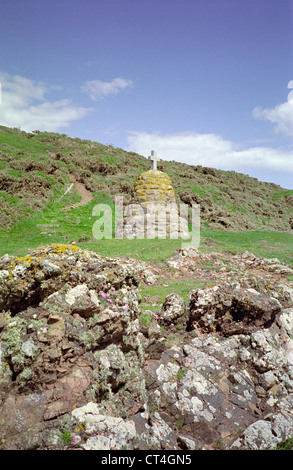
x,y
153,211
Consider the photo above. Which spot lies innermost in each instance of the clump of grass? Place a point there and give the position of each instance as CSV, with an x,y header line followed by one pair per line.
x,y
67,438
180,374
285,445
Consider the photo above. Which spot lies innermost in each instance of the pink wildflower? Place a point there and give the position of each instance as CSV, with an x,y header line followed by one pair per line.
x,y
155,315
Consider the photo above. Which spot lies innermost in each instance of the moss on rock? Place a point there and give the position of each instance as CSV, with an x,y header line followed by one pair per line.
x,y
154,186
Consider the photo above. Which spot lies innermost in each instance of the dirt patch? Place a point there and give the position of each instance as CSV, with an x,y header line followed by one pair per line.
x,y
86,195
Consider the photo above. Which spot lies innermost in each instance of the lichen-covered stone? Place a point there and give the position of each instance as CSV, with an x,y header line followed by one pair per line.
x,y
153,186
79,370
173,309
105,432
77,339
231,310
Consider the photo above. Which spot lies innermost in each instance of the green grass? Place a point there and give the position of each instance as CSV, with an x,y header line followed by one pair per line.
x,y
285,445
199,191
22,143
261,243
280,194
67,438
9,198
155,294
151,251
76,225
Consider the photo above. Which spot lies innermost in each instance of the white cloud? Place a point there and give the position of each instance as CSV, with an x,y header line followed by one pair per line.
x,y
281,115
24,105
98,89
185,147
210,150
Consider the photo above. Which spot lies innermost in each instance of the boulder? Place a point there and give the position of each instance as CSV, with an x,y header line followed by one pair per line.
x,y
231,309
102,431
173,310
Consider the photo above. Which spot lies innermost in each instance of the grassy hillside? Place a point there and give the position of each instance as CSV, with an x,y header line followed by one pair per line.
x,y
36,170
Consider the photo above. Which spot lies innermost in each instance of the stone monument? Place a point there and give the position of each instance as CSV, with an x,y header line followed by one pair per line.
x,y
153,211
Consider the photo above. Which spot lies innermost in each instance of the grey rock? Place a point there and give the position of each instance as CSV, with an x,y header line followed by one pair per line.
x,y
173,309
78,369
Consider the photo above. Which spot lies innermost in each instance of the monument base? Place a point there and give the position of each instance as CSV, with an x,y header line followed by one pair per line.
x,y
153,220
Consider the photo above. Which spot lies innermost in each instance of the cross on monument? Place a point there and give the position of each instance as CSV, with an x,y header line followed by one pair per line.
x,y
154,159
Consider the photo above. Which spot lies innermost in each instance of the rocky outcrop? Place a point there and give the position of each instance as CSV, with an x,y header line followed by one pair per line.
x,y
69,334
231,309
220,390
190,259
80,370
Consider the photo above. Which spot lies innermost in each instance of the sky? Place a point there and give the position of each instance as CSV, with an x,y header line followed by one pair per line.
x,y
204,82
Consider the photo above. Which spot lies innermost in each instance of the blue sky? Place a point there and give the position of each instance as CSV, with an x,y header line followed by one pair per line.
x,y
205,82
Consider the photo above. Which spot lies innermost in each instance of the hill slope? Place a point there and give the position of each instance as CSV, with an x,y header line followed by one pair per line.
x,y
37,168
59,333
